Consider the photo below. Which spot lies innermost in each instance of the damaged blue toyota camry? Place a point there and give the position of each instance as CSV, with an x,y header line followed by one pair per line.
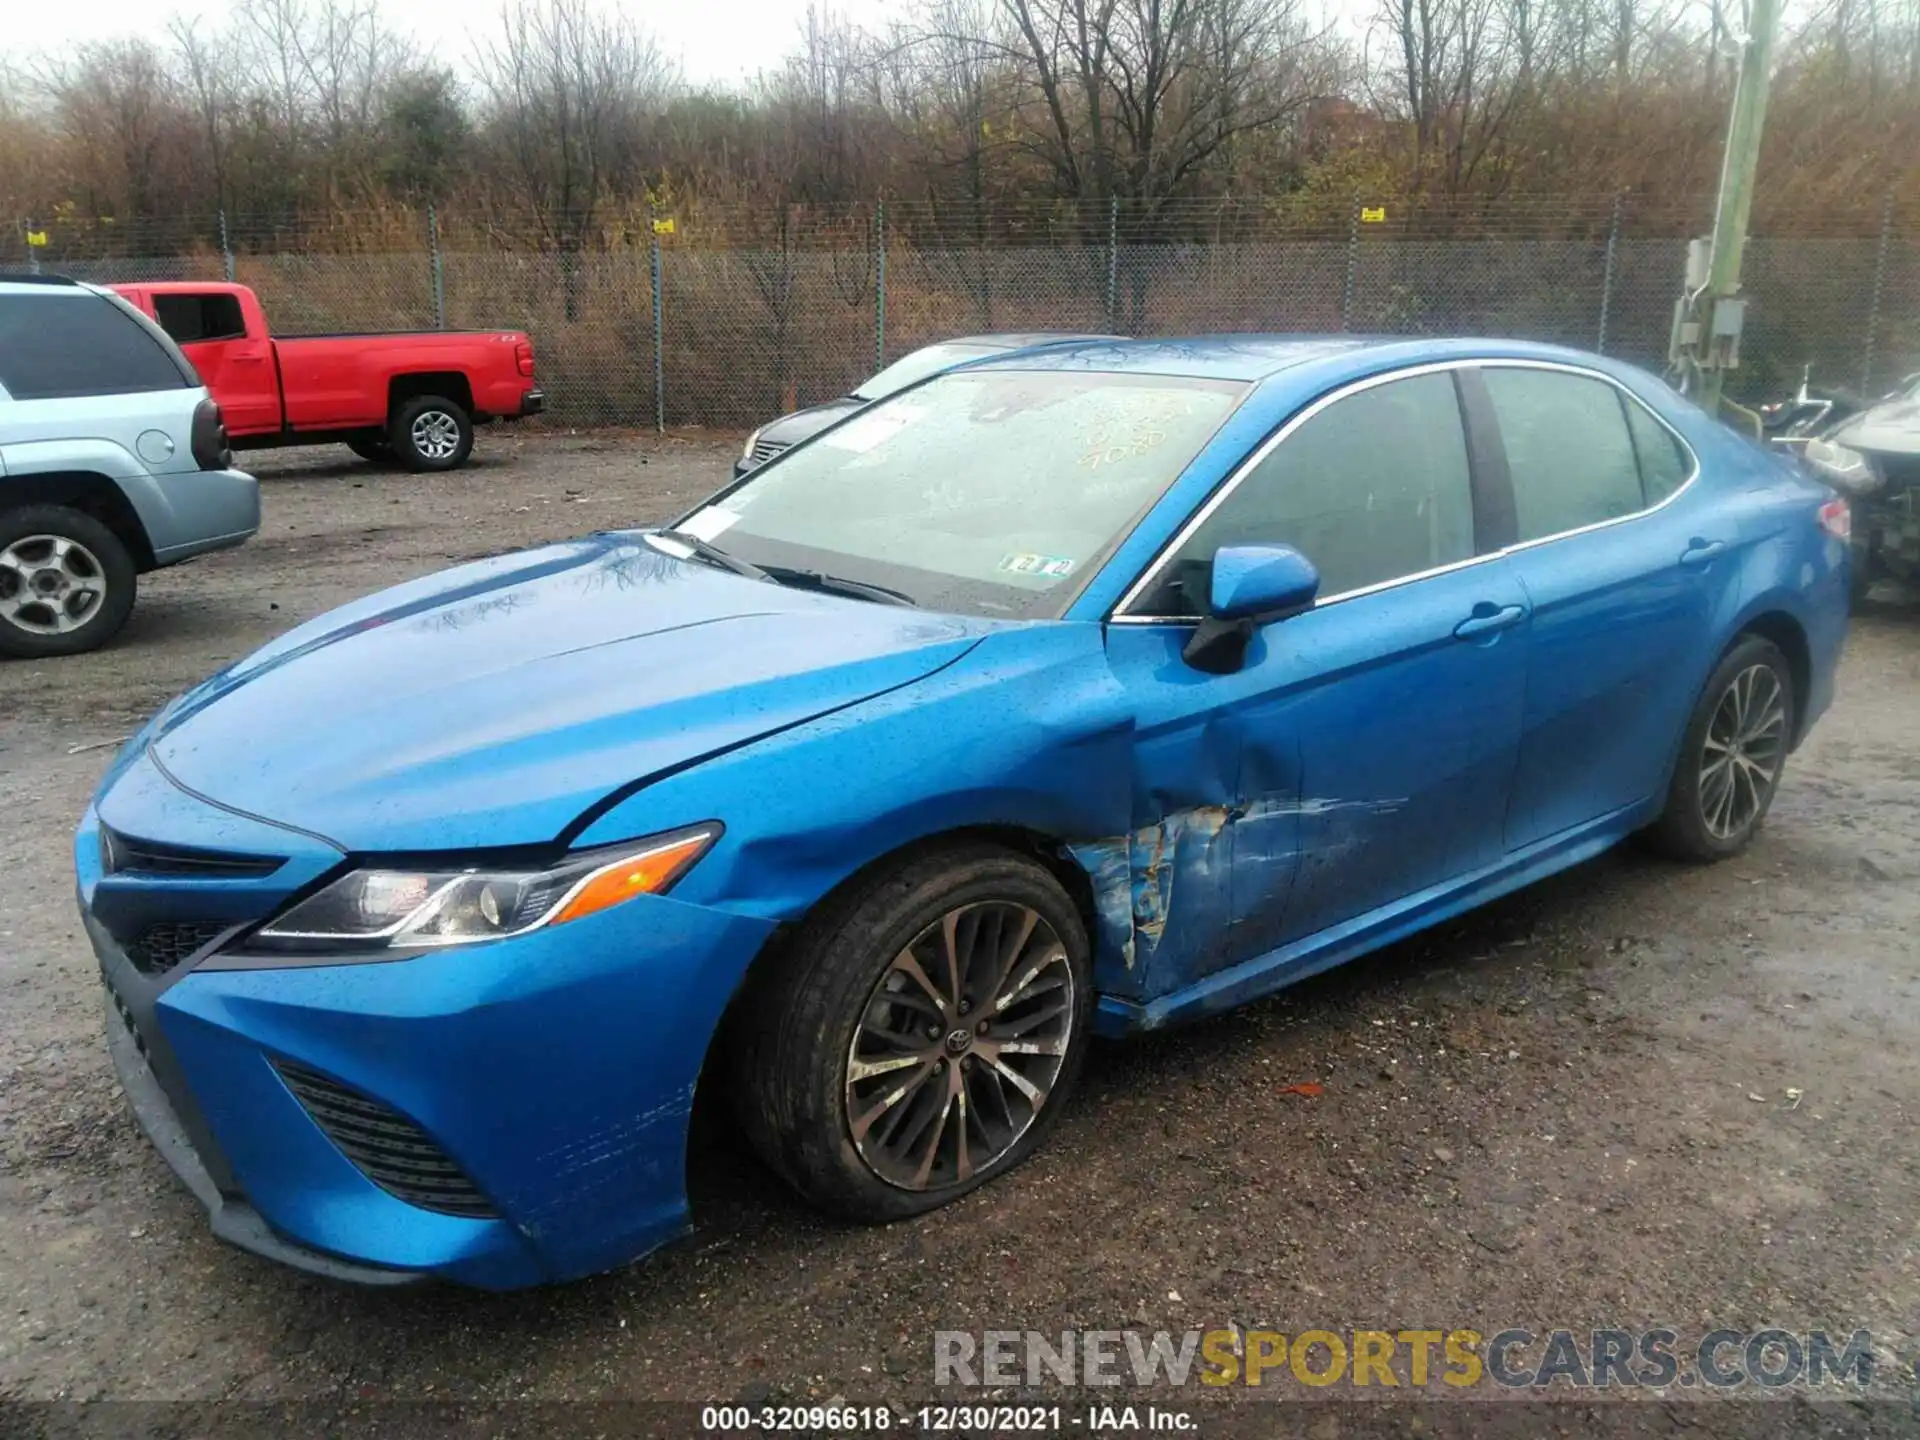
x,y
1077,692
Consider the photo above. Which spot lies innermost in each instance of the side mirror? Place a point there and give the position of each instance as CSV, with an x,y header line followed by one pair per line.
x,y
1252,585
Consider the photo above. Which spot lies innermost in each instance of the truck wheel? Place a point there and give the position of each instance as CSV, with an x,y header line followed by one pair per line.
x,y
430,432
66,582
372,446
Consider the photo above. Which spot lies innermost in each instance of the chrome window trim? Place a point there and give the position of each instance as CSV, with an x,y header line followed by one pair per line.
x,y
1119,615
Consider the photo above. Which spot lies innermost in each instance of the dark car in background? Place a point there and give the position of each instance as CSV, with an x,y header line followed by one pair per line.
x,y
789,430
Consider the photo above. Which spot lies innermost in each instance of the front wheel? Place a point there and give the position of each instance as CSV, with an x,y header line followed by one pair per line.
x,y
920,1037
1731,756
431,432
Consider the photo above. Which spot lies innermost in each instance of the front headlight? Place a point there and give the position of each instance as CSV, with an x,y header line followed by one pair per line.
x,y
379,908
746,451
1844,469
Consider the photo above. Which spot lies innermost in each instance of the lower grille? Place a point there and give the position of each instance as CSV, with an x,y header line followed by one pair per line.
x,y
159,948
765,450
389,1149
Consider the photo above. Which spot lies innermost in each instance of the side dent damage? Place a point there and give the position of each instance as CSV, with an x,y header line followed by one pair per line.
x,y
1200,889
1136,876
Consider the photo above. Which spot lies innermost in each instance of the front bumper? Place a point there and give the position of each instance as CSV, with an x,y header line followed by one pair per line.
x,y
555,1070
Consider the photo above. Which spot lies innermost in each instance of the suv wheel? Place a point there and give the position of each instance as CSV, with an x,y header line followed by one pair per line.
x,y
431,432
66,582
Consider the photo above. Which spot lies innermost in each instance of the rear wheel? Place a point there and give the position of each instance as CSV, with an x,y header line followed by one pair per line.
x,y
431,432
66,582
1732,755
920,1037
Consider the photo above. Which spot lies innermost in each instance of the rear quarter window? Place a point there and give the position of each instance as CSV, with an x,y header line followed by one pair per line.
x,y
69,343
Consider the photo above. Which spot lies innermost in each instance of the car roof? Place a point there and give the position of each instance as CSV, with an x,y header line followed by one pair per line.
x,y
28,284
1022,339
1257,357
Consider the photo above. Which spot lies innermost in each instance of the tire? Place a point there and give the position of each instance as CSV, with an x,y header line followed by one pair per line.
x,y
372,446
1702,821
839,987
430,432
66,582
1863,573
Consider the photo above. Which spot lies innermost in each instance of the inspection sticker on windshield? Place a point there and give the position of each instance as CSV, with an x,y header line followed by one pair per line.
x,y
1050,565
870,428
710,523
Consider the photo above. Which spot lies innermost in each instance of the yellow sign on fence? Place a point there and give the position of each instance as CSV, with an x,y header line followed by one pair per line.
x,y
1373,214
663,226
36,237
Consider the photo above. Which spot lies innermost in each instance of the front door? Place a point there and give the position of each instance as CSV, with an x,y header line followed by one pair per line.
x,y
1364,751
211,331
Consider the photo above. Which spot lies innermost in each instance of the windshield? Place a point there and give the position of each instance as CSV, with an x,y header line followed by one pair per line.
x,y
989,492
909,369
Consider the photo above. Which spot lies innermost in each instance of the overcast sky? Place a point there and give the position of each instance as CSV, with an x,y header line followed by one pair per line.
x,y
715,40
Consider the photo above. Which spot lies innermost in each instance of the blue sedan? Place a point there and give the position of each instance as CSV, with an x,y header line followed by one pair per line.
x,y
1078,692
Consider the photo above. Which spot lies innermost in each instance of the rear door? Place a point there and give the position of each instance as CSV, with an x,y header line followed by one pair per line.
x,y
210,328
1623,572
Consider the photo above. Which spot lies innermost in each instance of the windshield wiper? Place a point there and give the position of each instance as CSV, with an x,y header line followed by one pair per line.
x,y
714,555
837,585
786,574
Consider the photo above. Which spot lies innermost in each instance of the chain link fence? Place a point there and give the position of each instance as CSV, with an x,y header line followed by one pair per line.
x,y
724,317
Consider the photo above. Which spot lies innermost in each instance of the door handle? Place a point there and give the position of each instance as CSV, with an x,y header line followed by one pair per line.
x,y
1488,621
1700,552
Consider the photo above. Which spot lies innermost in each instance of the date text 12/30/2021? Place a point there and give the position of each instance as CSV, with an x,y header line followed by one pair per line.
x,y
946,1419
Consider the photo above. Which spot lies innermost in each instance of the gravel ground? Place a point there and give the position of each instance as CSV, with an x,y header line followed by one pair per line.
x,y
1634,1095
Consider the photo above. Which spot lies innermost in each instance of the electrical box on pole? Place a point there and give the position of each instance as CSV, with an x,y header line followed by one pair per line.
x,y
1711,313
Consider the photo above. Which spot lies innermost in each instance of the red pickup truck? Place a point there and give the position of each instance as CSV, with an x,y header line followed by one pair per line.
x,y
409,397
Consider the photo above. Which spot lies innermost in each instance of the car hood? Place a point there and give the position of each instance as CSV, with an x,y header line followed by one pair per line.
x,y
805,424
1889,428
494,703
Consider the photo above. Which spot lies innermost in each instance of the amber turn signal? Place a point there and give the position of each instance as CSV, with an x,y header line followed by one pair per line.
x,y
647,873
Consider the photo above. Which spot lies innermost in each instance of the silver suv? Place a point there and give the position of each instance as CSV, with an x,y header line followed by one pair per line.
x,y
113,461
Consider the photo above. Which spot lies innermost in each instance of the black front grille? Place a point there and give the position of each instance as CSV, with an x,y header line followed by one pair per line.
x,y
159,948
389,1149
120,853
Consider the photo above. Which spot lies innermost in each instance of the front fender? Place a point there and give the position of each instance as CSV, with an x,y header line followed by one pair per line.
x,y
1029,731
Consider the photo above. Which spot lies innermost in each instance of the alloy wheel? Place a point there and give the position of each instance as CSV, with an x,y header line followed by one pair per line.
x,y
1740,758
435,435
960,1045
50,585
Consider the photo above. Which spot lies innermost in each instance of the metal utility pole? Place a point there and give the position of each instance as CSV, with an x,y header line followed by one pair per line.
x,y
1709,318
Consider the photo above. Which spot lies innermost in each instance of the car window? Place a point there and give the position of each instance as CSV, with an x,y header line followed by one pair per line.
x,y
910,369
190,319
67,343
992,492
1664,462
1373,488
1568,449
